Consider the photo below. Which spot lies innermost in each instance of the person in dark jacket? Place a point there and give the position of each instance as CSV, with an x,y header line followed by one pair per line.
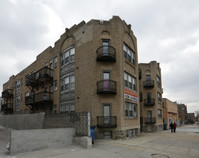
x,y
174,127
171,126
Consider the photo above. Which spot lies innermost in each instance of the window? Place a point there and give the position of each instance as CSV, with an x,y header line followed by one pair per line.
x,y
18,87
55,62
46,64
68,56
72,82
148,77
26,94
72,54
129,54
140,74
67,107
18,84
51,64
159,113
17,102
159,97
105,48
68,83
55,85
125,79
130,109
140,97
158,81
129,81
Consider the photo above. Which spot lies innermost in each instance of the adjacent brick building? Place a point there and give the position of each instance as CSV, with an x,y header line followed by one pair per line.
x,y
150,85
92,67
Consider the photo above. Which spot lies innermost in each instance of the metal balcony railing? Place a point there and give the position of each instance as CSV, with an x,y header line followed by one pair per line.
x,y
106,121
7,94
149,102
39,98
40,77
150,120
148,83
106,53
106,87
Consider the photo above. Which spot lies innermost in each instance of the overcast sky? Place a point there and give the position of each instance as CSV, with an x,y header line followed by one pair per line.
x,y
167,31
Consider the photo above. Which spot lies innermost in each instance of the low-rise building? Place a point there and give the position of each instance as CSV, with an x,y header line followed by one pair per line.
x,y
170,113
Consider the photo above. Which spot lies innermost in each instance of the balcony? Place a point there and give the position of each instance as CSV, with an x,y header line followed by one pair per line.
x,y
148,83
106,87
150,120
7,94
106,53
42,98
7,108
106,121
40,77
149,102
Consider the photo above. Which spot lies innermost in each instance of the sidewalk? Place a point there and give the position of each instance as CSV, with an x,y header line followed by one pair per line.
x,y
182,144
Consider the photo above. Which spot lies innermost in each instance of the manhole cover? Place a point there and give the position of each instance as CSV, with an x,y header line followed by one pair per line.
x,y
159,156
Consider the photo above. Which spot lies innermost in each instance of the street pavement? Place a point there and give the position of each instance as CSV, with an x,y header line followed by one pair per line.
x,y
164,144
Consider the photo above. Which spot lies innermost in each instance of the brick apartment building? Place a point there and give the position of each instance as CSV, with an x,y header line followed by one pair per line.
x,y
150,87
93,67
170,113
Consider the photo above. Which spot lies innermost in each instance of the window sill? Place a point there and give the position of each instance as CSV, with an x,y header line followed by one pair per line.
x,y
133,65
130,118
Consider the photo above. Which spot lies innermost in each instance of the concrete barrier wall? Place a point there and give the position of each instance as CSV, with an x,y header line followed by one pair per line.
x,y
22,122
30,140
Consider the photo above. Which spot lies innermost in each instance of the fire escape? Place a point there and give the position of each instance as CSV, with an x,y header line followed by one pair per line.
x,y
39,98
7,107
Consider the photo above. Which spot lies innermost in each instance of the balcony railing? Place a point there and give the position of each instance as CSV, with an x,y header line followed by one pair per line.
x,y
149,102
39,98
8,93
39,77
7,108
150,120
106,87
106,53
106,121
148,83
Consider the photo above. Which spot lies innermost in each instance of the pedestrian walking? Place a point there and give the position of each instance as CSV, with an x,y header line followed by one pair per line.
x,y
171,126
174,127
